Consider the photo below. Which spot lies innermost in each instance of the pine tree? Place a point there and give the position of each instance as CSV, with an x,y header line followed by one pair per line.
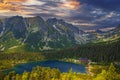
x,y
101,76
111,74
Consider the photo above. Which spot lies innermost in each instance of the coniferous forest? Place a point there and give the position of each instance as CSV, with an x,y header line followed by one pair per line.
x,y
96,52
105,52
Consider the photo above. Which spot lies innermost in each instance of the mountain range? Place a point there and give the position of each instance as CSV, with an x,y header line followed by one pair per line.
x,y
36,34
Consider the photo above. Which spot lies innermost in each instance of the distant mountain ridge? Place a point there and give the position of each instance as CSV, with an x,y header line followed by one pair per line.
x,y
110,35
35,34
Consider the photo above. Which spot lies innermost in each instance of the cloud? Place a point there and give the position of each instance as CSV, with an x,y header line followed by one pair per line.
x,y
12,8
9,0
107,16
81,13
104,4
13,0
33,2
107,29
9,7
70,4
62,6
85,24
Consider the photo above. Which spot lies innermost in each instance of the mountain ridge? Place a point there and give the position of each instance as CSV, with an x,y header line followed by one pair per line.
x,y
37,34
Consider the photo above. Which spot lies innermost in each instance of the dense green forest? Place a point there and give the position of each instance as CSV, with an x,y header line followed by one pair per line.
x,y
101,53
8,60
105,52
45,73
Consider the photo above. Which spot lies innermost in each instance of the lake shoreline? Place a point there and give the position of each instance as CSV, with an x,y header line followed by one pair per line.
x,y
49,63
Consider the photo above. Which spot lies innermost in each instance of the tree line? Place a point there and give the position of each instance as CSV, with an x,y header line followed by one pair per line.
x,y
45,73
105,52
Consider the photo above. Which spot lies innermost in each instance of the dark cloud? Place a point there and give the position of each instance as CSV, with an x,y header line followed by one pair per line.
x,y
87,14
104,4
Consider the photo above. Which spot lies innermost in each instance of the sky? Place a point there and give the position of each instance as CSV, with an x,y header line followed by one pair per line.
x,y
86,14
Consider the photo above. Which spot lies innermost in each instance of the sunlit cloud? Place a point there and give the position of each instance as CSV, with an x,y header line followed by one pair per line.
x,y
7,1
11,5
81,13
62,9
70,4
12,8
33,2
107,29
85,24
89,31
61,14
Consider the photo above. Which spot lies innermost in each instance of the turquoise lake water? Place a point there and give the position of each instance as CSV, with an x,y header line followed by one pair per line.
x,y
62,66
